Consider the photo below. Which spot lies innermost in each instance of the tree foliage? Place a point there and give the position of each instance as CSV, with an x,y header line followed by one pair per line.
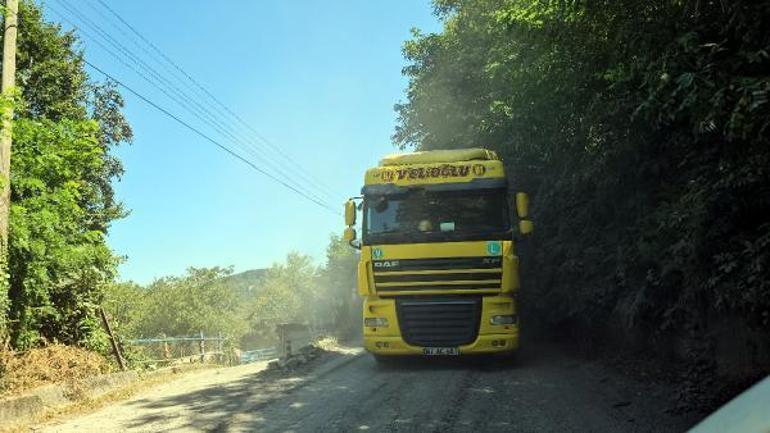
x,y
337,281
61,189
186,305
297,291
244,307
287,292
640,128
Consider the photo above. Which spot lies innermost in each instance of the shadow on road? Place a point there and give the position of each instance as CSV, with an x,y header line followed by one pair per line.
x,y
213,407
533,355
210,408
418,363
551,391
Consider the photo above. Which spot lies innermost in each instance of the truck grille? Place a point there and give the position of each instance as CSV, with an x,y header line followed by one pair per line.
x,y
439,321
455,273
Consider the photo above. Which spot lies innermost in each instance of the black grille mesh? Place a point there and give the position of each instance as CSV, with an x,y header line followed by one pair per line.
x,y
439,321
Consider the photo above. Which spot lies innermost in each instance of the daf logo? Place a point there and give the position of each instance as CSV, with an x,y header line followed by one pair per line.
x,y
488,261
386,264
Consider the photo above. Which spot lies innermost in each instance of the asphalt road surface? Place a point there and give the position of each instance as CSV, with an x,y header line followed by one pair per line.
x,y
544,391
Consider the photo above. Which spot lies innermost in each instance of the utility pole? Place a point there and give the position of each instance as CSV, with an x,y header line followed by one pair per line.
x,y
10,29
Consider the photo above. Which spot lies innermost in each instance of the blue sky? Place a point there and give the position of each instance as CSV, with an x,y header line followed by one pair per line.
x,y
317,78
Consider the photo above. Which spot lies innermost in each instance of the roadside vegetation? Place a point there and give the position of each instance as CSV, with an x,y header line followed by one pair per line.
x,y
61,270
245,307
55,363
59,264
63,202
642,131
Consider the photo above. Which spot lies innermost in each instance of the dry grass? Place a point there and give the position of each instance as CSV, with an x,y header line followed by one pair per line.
x,y
90,405
51,364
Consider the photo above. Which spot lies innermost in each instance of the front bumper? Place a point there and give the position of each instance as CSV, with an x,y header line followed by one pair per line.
x,y
490,338
484,344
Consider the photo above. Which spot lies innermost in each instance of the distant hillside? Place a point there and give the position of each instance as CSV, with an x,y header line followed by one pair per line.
x,y
245,283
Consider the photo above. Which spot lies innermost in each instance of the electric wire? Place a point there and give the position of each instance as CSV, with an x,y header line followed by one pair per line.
x,y
159,82
185,102
276,149
297,190
206,137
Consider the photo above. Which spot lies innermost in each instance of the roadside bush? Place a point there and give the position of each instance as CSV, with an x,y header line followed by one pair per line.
x,y
51,364
642,130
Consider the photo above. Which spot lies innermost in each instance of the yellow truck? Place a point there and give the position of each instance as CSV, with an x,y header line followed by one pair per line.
x,y
438,271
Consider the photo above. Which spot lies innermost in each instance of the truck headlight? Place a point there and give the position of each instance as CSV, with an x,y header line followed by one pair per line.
x,y
507,319
376,322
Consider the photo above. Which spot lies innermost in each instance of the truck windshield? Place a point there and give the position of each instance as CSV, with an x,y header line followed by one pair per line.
x,y
424,216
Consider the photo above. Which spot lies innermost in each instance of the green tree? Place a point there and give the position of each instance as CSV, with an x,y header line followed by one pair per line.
x,y
58,264
186,305
126,304
288,292
640,128
337,281
246,306
61,189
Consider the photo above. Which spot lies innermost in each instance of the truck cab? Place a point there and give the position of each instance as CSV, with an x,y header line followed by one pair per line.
x,y
438,269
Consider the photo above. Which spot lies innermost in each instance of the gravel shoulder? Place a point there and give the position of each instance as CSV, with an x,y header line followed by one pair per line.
x,y
544,390
141,412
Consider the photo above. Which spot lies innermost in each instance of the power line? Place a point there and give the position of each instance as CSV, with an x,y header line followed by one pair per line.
x,y
206,137
187,103
159,82
321,185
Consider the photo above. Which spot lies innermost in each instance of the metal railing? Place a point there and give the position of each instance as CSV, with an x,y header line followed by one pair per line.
x,y
292,338
165,350
248,356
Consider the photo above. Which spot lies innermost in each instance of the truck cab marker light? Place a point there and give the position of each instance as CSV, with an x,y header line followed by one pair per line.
x,y
507,319
376,322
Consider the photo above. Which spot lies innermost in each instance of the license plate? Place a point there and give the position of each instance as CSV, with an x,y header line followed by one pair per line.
x,y
440,351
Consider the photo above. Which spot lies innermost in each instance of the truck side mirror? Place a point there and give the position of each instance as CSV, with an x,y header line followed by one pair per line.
x,y
526,227
350,213
349,235
522,204
522,209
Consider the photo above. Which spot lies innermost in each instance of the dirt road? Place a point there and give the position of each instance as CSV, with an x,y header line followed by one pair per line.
x,y
546,391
